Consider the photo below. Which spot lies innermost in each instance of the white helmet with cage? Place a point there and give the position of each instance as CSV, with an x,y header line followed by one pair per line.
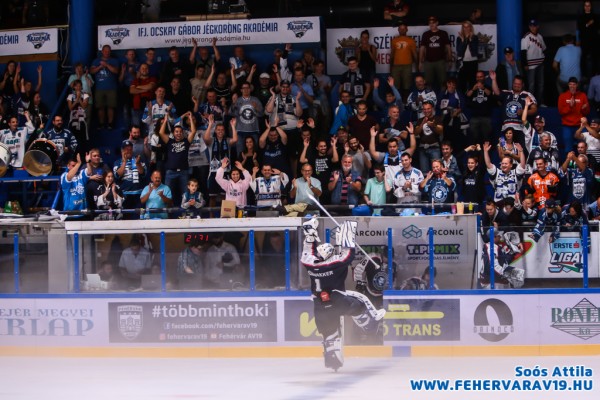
x,y
325,251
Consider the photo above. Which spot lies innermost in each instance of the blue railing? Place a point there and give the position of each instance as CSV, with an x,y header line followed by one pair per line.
x,y
252,287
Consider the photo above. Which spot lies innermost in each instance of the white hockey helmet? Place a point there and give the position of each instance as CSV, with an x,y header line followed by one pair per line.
x,y
325,250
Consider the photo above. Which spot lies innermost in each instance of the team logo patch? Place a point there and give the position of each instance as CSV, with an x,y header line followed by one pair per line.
x,y
379,281
347,48
512,109
486,47
300,27
566,255
439,193
130,321
117,34
38,39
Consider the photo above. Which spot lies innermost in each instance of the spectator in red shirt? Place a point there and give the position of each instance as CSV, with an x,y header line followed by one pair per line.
x,y
360,124
572,106
142,91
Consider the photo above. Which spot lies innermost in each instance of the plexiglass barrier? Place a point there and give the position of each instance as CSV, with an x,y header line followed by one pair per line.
x,y
204,260
443,252
536,256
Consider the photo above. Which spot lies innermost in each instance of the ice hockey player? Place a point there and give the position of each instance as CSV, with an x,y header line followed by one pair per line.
x,y
505,248
328,270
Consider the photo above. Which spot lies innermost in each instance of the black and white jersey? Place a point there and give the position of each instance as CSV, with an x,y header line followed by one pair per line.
x,y
505,184
268,191
328,275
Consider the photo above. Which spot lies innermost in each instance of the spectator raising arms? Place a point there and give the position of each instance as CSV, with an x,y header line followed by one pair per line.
x,y
235,188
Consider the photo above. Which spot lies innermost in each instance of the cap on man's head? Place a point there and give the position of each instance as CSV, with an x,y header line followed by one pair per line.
x,y
541,119
342,128
126,143
284,82
550,203
264,75
595,120
508,50
534,22
573,80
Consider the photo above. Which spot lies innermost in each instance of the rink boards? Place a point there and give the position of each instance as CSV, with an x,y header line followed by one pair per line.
x,y
419,325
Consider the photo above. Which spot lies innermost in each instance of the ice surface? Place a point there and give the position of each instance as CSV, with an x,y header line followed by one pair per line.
x,y
262,378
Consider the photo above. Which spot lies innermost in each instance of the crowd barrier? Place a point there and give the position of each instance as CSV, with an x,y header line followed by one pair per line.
x,y
479,324
58,257
50,307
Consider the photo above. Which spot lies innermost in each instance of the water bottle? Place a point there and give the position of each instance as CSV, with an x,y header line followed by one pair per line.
x,y
147,214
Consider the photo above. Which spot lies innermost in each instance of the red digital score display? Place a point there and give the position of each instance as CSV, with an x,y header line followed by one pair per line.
x,y
198,238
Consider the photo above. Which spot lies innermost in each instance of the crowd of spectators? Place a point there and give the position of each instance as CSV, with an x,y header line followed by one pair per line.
x,y
203,128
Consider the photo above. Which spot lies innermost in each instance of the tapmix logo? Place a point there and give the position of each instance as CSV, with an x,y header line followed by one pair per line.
x,y
493,320
422,249
300,27
582,320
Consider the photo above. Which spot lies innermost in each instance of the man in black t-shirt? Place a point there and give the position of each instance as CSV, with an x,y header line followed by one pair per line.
x,y
178,146
481,102
322,163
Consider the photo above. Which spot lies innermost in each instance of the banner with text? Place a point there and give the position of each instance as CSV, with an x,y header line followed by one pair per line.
x,y
53,322
562,258
227,33
508,319
490,319
194,322
29,41
342,43
453,249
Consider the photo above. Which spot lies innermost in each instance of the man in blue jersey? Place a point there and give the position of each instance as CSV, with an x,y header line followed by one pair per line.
x,y
65,141
72,184
130,174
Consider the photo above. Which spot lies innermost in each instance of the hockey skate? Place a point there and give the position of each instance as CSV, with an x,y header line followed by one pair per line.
x,y
333,352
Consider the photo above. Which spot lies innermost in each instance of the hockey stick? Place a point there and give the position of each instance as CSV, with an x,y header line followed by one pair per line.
x,y
310,196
